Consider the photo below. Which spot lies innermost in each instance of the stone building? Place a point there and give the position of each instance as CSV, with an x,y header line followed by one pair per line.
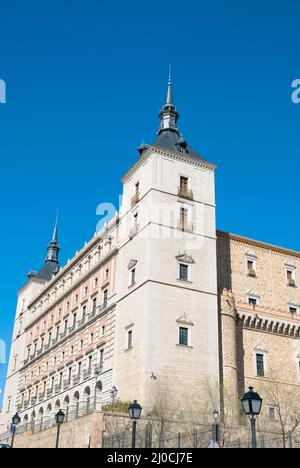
x,y
158,295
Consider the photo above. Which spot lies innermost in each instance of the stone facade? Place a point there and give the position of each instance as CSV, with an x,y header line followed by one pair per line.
x,y
260,320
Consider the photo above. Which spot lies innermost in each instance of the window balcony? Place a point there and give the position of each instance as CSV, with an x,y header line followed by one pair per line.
x,y
67,384
252,273
72,328
77,380
54,341
99,369
41,396
87,374
135,199
185,227
184,192
63,335
26,404
133,231
81,322
58,388
49,393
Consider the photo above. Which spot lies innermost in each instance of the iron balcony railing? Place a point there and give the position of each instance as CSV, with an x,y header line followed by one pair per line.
x,y
184,192
135,199
87,374
185,226
76,380
67,384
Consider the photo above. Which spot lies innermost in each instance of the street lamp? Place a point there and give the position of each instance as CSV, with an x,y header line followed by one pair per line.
x,y
216,432
59,419
252,404
135,411
113,394
15,422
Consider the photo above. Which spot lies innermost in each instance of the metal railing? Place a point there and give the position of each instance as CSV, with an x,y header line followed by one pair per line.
x,y
185,226
184,192
135,199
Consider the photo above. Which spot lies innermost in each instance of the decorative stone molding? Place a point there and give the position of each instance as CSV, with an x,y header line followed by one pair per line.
x,y
185,258
251,255
182,319
132,264
268,325
130,325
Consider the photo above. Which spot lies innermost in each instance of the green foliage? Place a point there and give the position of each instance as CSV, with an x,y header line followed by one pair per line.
x,y
118,407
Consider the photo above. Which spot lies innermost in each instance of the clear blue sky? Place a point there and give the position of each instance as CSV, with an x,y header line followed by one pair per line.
x,y
85,81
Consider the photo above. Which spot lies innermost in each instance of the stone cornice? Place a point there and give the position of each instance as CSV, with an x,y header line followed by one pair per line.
x,y
252,321
258,244
170,154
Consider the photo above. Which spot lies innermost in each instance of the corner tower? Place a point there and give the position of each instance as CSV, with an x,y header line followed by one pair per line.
x,y
167,319
36,282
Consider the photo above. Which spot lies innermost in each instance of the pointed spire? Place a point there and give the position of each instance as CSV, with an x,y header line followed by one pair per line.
x,y
169,101
53,247
169,115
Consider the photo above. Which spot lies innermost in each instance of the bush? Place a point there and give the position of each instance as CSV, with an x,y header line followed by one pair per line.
x,y
118,407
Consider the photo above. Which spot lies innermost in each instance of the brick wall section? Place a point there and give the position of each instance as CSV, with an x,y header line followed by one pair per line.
x,y
281,348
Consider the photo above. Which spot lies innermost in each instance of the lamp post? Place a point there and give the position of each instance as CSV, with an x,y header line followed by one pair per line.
x,y
59,418
252,404
113,394
135,411
15,422
216,427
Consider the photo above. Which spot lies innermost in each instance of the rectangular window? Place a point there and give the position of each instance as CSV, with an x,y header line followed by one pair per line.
x,y
90,363
105,297
251,268
260,365
133,276
184,184
101,358
252,301
184,213
94,304
183,272
290,278
183,336
130,339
